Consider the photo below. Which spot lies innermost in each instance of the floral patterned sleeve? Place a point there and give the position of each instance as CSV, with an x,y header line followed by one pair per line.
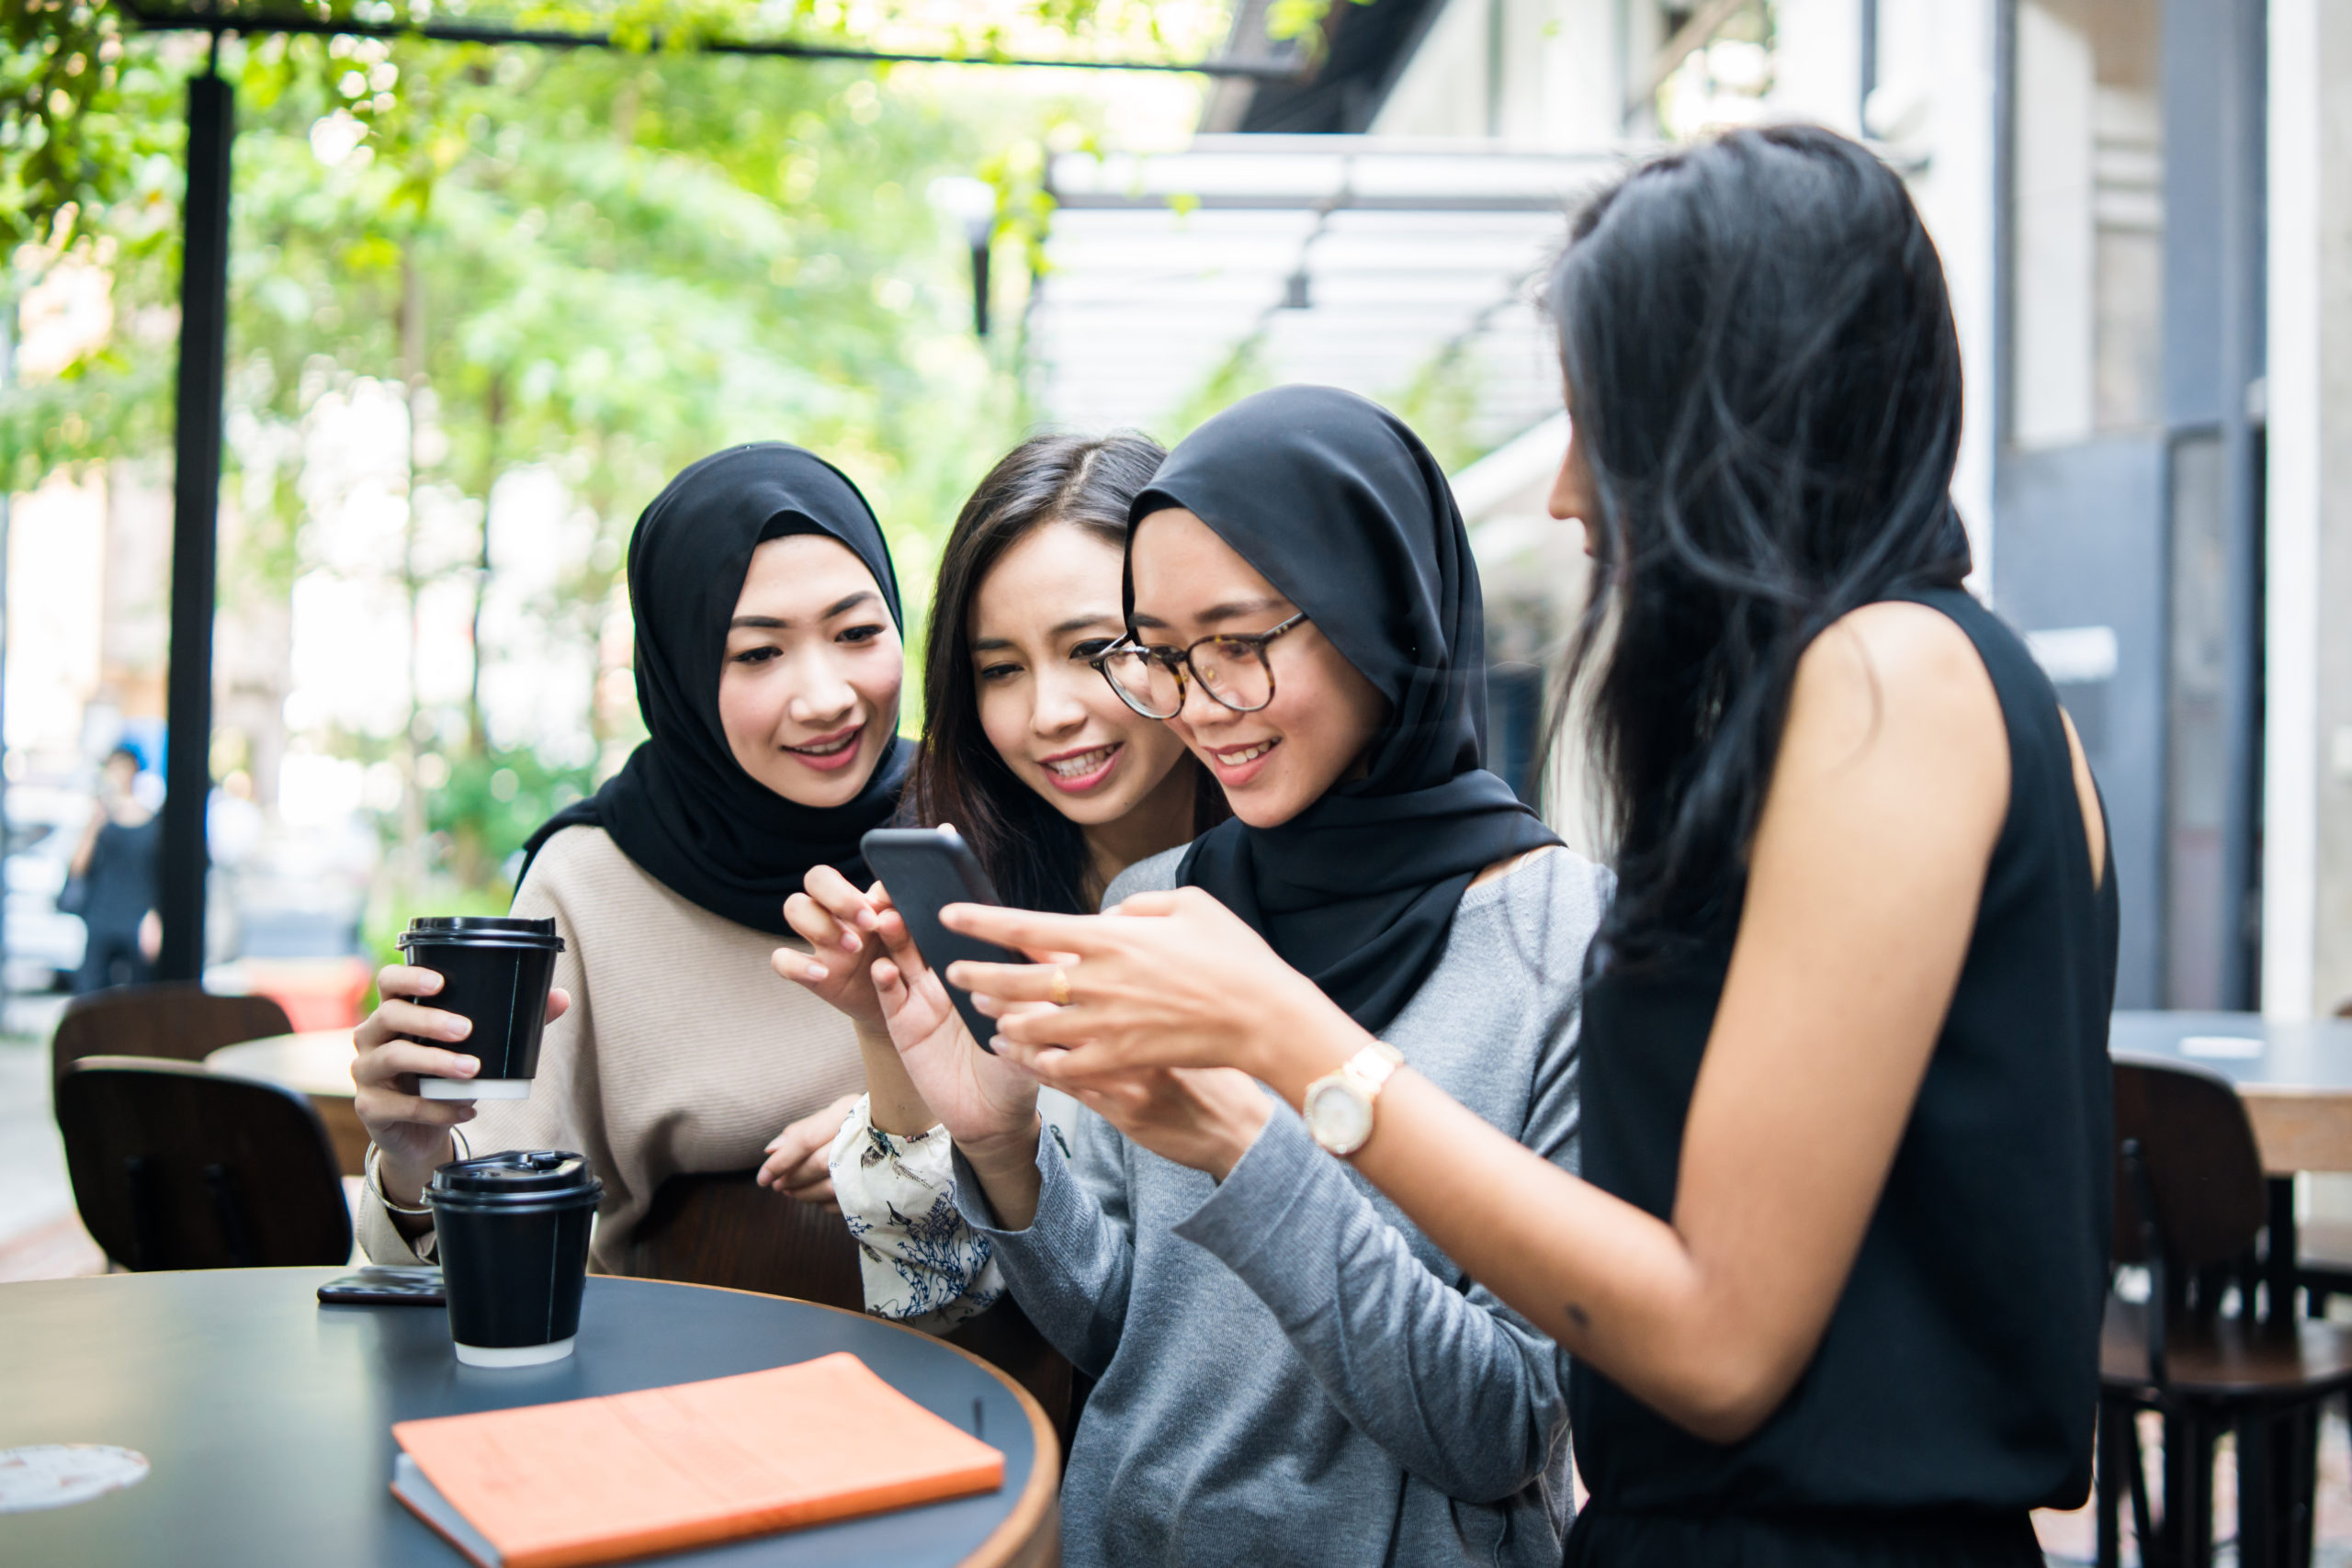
x,y
923,1265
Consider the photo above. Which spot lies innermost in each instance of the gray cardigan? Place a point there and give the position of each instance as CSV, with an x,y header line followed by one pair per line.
x,y
1288,1371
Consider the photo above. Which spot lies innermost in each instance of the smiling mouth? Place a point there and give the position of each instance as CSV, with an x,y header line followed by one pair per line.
x,y
1242,756
833,750
1074,765
1076,773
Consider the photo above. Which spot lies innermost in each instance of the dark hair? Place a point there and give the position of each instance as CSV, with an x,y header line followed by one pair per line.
x,y
1035,856
1766,387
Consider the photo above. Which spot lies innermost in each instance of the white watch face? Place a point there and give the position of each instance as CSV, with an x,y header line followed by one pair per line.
x,y
1339,1115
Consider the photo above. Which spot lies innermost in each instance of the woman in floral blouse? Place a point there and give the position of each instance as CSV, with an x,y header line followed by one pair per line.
x,y
1057,784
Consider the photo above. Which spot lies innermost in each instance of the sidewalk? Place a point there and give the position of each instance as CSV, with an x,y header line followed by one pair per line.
x,y
2068,1539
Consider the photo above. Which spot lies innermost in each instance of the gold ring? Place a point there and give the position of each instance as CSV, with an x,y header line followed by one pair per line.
x,y
1060,991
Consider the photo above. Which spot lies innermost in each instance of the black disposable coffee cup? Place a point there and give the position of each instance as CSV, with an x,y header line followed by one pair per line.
x,y
510,1233
496,971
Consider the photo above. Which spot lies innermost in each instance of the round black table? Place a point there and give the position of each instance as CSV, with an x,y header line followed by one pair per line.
x,y
268,1417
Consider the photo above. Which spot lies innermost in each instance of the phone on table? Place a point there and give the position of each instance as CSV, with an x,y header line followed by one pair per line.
x,y
924,869
380,1286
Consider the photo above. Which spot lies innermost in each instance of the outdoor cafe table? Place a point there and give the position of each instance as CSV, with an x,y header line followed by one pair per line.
x,y
266,1419
2296,1081
316,1063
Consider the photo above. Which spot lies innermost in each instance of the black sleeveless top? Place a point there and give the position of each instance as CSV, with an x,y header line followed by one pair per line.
x,y
1959,1372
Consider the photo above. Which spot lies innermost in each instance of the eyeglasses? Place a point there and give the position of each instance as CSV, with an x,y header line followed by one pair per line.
x,y
1233,671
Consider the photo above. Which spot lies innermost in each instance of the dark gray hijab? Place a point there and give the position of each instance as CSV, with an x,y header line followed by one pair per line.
x,y
681,807
1336,503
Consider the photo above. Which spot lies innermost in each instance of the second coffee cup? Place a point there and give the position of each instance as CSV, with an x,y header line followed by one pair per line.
x,y
512,1230
495,971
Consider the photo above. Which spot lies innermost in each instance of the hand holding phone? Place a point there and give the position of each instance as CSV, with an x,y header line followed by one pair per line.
x,y
924,869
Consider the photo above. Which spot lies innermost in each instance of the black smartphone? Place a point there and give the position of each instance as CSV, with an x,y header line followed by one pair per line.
x,y
374,1286
924,869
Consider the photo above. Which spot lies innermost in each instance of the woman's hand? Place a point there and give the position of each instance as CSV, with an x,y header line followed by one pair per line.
x,y
796,1163
838,922
1165,980
413,1132
988,1107
1205,1118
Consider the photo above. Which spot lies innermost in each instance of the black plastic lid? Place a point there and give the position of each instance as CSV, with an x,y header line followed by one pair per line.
x,y
519,1175
504,931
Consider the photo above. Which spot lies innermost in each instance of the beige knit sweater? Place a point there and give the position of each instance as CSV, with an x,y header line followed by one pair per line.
x,y
683,1051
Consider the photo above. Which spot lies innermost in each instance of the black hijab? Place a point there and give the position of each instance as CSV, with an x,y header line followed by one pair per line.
x,y
1339,506
681,807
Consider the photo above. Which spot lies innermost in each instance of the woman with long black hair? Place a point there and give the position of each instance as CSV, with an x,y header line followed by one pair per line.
x,y
1833,1272
1058,786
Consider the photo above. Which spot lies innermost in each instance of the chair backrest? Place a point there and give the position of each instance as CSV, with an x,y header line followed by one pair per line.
x,y
177,1168
725,1229
177,1021
2197,1150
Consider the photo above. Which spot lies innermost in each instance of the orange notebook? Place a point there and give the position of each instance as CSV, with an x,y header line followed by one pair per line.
x,y
628,1475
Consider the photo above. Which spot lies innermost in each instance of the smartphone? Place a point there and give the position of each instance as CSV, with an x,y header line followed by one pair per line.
x,y
924,869
376,1286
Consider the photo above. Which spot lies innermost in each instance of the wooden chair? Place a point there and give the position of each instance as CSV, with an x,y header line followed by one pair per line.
x,y
177,1168
179,1020
727,1230
2189,1198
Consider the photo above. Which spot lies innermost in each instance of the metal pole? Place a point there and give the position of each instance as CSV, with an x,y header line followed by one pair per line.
x,y
2244,220
980,286
204,333
2005,185
1867,77
165,18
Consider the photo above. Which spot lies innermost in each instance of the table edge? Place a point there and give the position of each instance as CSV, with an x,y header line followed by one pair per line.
x,y
1034,1508
342,1088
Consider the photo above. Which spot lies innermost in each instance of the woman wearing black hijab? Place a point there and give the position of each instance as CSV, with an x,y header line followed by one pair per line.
x,y
768,669
1286,1370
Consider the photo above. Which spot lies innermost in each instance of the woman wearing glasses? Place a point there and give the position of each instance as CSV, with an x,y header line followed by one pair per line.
x,y
1286,1369
1058,786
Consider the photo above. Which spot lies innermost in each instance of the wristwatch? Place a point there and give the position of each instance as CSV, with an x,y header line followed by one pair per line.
x,y
1339,1105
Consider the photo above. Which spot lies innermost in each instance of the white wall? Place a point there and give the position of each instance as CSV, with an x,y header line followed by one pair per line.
x,y
1817,62
1567,63
1443,89
2307,809
1562,85
1936,91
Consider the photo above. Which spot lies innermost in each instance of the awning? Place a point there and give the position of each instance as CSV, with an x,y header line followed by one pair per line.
x,y
1351,261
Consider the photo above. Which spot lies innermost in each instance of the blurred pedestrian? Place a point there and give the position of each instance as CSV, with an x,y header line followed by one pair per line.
x,y
116,865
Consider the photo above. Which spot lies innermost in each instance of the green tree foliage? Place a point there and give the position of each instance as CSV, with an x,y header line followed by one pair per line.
x,y
603,263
